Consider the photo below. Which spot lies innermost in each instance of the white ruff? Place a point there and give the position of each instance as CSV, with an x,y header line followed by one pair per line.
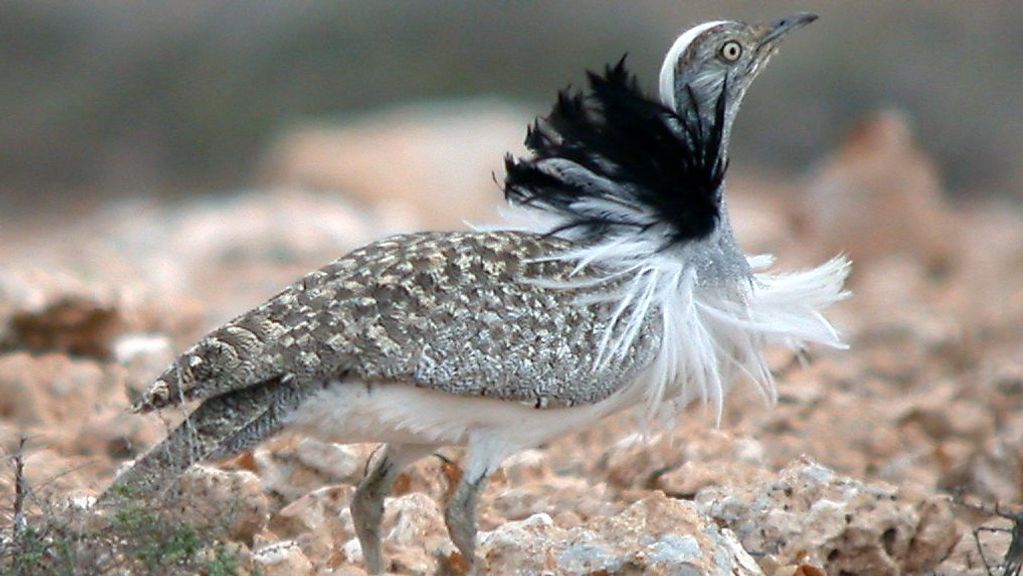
x,y
709,334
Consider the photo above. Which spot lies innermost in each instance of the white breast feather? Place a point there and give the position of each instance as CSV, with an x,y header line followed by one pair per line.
x,y
710,334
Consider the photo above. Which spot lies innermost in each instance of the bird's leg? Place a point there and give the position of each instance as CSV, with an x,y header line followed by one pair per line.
x,y
483,458
460,516
368,501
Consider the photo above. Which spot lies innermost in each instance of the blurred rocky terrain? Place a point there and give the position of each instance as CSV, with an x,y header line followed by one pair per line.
x,y
877,460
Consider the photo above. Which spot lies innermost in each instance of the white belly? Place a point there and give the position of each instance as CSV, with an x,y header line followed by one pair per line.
x,y
349,412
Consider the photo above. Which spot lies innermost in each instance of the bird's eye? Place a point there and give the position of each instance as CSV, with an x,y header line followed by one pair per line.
x,y
731,50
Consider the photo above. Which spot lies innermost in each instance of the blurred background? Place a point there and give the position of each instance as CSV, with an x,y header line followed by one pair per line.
x,y
108,97
165,166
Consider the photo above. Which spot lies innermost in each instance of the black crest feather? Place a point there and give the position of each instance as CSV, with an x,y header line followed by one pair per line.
x,y
614,160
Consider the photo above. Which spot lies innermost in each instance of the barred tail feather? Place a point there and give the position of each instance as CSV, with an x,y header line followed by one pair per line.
x,y
230,358
220,427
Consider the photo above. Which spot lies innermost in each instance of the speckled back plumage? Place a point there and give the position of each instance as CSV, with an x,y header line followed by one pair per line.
x,y
462,313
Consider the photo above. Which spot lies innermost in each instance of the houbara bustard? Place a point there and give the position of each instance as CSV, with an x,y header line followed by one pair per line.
x,y
631,291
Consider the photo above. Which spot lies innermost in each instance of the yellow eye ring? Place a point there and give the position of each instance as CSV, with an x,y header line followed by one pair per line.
x,y
731,51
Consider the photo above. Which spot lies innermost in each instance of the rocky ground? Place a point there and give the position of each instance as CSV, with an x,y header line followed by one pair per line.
x,y
881,459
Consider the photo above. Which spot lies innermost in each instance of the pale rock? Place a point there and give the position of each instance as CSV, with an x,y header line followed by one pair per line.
x,y
283,558
633,460
316,520
415,516
353,550
43,310
81,499
686,480
553,495
113,432
338,462
429,476
880,194
526,466
231,502
415,535
811,513
656,535
346,519
942,416
181,267
966,558
72,405
130,348
936,532
683,462
749,450
391,159
291,466
144,355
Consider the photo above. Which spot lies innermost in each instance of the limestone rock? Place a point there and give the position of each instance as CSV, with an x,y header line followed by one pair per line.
x,y
282,559
688,479
810,513
414,534
553,495
339,463
657,535
316,520
228,502
292,467
681,463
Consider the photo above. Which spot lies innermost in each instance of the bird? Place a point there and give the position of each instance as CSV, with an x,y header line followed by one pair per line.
x,y
625,288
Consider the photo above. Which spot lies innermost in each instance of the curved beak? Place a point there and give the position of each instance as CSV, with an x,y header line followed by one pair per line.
x,y
780,28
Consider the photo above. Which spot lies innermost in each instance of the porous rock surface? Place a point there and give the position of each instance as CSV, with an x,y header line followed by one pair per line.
x,y
845,525
656,535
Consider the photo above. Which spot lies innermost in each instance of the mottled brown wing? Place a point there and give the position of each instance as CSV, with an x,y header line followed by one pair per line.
x,y
237,354
458,313
455,312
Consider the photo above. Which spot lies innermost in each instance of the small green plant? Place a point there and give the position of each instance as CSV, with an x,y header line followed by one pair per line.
x,y
223,563
157,543
137,539
129,536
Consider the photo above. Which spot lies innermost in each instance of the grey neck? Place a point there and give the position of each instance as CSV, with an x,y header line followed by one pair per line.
x,y
706,88
717,259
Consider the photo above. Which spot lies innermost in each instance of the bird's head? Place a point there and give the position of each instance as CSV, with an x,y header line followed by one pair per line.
x,y
723,53
615,165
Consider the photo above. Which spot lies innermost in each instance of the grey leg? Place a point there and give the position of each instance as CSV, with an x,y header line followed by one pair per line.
x,y
460,515
483,458
368,502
